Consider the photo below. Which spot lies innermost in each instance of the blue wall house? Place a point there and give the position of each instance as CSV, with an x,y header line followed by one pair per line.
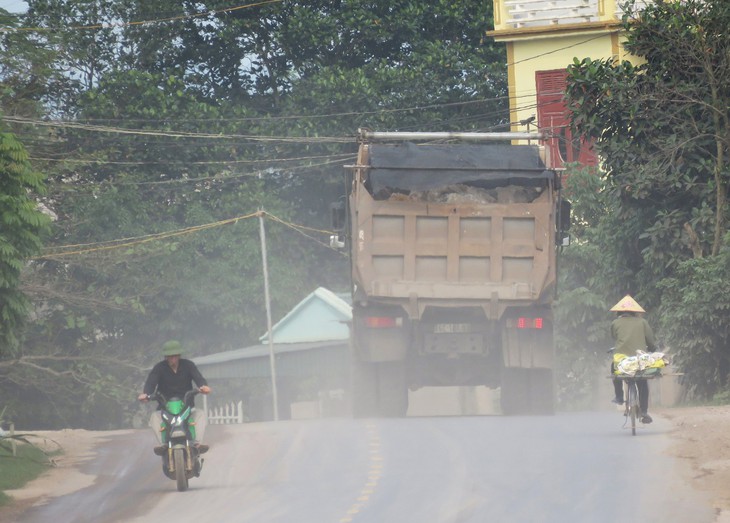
x,y
311,348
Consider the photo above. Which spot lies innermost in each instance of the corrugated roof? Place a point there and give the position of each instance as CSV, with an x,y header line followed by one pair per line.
x,y
321,316
317,324
257,351
329,358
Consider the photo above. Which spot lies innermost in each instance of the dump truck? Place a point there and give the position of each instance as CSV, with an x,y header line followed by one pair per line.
x,y
453,241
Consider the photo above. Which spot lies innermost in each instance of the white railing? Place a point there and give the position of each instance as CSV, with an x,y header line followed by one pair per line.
x,y
534,13
226,414
538,13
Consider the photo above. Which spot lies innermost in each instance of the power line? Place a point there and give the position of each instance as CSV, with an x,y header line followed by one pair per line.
x,y
333,158
556,50
313,116
206,162
254,174
78,249
137,23
85,248
67,124
172,134
180,134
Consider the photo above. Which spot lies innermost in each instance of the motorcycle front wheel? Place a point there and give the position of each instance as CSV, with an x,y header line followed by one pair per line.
x,y
178,456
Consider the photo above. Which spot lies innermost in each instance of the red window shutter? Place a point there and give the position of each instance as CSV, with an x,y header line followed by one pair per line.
x,y
552,116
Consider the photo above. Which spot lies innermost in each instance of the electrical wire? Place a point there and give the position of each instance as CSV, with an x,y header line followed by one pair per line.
x,y
207,162
63,251
175,134
556,50
137,23
219,136
86,248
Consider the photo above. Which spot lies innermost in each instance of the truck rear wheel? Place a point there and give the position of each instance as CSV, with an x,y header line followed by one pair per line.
x,y
392,390
379,390
363,390
541,391
527,391
513,395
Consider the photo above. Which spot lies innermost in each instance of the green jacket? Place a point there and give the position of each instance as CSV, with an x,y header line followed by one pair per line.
x,y
632,333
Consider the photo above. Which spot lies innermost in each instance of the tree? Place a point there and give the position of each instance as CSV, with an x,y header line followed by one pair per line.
x,y
663,134
203,287
696,318
21,227
662,128
176,117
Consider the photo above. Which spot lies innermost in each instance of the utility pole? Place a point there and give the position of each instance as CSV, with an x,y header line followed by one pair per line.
x,y
272,358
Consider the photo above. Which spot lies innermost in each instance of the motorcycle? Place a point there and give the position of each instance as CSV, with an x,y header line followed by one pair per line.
x,y
181,460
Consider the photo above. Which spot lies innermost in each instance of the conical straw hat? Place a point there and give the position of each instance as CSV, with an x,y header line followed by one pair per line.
x,y
627,304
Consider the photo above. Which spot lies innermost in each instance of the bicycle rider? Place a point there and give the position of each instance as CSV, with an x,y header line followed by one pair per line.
x,y
632,333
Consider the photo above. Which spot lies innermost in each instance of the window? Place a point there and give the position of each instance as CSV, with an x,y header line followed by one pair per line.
x,y
552,116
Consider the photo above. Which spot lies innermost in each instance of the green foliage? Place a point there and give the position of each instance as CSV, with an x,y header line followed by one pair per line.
x,y
721,398
213,113
661,127
28,463
581,312
696,320
662,132
21,226
21,460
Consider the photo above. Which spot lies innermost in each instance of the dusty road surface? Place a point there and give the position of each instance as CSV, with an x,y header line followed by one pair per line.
x,y
571,467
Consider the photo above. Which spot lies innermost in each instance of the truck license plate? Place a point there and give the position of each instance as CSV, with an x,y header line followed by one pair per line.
x,y
448,328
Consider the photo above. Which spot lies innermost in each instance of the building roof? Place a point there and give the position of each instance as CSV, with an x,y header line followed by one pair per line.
x,y
258,351
321,316
318,322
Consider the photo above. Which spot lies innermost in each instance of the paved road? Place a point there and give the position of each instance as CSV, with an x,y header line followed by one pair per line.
x,y
568,468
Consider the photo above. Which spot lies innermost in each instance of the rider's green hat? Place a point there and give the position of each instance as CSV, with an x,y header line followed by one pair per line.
x,y
171,348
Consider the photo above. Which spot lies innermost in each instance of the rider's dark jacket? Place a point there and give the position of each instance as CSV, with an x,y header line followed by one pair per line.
x,y
169,383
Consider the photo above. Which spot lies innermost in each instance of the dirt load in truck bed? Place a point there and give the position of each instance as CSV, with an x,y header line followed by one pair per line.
x,y
461,193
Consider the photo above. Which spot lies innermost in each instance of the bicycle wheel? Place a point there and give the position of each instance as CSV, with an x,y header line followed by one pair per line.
x,y
633,402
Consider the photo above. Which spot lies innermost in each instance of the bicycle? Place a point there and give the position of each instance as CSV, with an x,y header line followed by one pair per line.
x,y
632,410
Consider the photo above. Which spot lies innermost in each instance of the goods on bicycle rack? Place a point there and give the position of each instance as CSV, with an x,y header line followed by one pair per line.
x,y
642,363
634,369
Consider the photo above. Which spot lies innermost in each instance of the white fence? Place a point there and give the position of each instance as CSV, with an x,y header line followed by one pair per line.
x,y
226,414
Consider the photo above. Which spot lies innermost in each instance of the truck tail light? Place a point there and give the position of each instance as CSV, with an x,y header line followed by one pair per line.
x,y
529,323
383,322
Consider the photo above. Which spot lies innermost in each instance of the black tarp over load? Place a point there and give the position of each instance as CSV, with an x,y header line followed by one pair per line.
x,y
403,168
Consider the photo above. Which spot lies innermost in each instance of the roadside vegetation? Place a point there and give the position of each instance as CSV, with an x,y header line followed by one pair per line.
x,y
654,221
20,462
28,463
151,133
140,139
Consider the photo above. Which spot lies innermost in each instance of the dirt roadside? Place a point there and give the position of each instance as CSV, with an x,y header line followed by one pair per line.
x,y
700,438
65,476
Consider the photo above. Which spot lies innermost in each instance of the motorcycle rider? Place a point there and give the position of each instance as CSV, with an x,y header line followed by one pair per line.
x,y
174,376
632,333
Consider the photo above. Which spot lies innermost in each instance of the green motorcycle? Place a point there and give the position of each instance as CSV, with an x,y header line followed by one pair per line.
x,y
180,458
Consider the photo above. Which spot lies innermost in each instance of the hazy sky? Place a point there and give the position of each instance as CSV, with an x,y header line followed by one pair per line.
x,y
14,6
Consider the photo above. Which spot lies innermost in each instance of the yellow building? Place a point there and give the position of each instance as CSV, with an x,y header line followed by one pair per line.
x,y
543,37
